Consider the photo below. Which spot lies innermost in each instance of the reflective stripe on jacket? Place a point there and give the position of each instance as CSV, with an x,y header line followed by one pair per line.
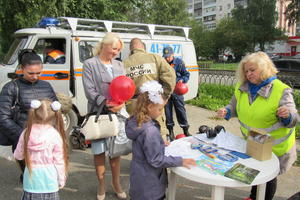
x,y
262,114
56,54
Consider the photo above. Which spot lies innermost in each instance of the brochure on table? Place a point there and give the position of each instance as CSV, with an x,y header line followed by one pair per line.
x,y
226,140
210,157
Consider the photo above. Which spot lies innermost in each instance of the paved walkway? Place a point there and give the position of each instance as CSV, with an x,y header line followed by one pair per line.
x,y
82,181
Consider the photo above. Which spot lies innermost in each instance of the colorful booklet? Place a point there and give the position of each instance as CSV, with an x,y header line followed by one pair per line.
x,y
242,173
213,166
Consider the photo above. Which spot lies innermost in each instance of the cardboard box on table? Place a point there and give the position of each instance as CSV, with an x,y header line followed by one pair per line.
x,y
259,151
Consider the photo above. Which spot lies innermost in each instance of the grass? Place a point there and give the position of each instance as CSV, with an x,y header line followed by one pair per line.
x,y
217,66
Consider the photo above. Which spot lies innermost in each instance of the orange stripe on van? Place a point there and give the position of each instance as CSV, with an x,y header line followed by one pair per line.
x,y
192,68
78,72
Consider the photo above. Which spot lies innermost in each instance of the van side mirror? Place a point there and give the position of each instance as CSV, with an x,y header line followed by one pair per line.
x,y
12,75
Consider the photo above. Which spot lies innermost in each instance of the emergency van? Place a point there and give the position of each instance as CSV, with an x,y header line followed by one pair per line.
x,y
76,37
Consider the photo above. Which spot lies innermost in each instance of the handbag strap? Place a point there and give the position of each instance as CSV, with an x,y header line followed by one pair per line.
x,y
90,113
101,107
17,101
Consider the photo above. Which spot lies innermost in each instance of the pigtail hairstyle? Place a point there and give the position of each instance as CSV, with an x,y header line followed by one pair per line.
x,y
44,114
141,109
60,127
26,139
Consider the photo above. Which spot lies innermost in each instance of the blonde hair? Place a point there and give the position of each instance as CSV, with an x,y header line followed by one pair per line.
x,y
109,38
141,108
262,61
45,115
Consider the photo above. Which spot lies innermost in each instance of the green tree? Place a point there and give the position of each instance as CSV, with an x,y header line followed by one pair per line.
x,y
165,12
258,21
234,38
17,14
203,40
99,9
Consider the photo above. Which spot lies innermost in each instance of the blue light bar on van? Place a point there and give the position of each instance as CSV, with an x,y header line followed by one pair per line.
x,y
48,21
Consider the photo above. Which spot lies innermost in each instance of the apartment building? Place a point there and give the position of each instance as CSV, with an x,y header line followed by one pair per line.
x,y
211,11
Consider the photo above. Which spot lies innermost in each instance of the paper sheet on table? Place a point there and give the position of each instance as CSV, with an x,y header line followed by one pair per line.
x,y
226,140
183,150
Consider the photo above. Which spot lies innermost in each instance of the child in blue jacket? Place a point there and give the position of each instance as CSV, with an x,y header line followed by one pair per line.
x,y
148,175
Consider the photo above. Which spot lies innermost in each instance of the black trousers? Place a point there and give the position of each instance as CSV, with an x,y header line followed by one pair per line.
x,y
176,101
270,190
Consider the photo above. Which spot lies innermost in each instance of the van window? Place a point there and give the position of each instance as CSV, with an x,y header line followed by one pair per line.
x,y
12,54
51,51
86,50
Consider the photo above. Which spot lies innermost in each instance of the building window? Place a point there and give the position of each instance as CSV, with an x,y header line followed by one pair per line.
x,y
229,6
220,9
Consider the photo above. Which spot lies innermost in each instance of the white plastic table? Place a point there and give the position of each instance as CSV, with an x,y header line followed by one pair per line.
x,y
268,170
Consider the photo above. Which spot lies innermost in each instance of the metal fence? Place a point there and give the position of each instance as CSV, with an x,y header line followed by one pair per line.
x,y
227,77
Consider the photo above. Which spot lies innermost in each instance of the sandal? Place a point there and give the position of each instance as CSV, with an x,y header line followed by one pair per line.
x,y
120,195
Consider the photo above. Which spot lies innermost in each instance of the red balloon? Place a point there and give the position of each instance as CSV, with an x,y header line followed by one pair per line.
x,y
121,89
180,136
181,88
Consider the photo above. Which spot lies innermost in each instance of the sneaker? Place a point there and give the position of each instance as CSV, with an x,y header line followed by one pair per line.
x,y
248,198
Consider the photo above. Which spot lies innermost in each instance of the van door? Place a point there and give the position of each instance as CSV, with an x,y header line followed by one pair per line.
x,y
55,54
293,50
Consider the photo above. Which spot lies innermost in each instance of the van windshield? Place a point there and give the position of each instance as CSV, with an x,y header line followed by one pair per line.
x,y
12,53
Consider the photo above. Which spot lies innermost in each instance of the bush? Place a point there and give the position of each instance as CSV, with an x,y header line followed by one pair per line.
x,y
212,96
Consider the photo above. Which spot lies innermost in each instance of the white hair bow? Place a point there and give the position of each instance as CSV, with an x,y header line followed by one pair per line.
x,y
55,105
154,90
35,104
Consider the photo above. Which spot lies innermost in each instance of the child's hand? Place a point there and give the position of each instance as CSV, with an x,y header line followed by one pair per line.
x,y
188,162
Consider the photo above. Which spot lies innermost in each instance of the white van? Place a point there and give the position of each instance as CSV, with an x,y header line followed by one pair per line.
x,y
76,38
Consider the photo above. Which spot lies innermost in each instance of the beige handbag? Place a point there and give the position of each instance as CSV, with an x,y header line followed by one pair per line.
x,y
97,126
